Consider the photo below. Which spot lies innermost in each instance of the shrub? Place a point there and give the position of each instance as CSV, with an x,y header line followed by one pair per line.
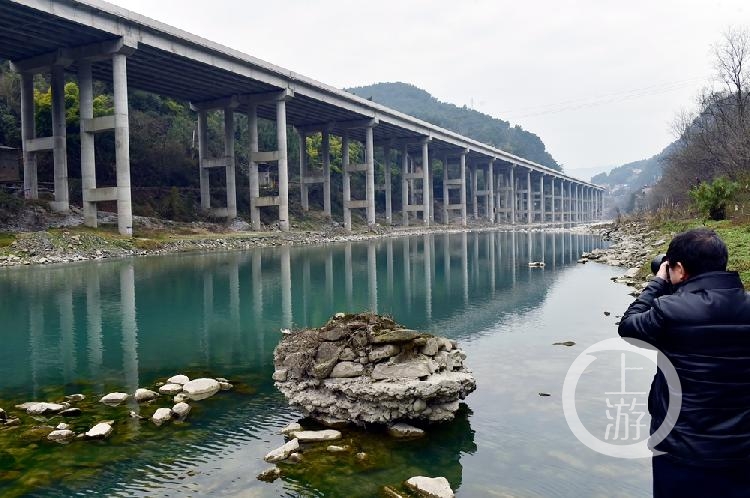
x,y
710,198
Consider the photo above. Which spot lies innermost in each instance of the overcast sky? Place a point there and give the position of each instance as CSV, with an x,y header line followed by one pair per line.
x,y
599,81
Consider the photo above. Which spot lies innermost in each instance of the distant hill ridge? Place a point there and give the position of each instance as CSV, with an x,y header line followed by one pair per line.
x,y
468,122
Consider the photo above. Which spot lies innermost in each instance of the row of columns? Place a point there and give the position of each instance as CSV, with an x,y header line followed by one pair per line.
x,y
507,195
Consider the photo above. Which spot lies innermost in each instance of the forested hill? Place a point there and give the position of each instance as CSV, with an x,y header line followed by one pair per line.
x,y
493,131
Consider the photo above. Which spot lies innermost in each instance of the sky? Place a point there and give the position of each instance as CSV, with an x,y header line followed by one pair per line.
x,y
599,81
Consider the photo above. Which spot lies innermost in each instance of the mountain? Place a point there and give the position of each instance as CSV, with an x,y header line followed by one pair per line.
x,y
468,122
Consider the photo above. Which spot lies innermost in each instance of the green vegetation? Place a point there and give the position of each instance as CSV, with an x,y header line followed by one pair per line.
x,y
710,198
6,239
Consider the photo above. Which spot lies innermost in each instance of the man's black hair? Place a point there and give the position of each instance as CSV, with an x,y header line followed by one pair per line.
x,y
699,250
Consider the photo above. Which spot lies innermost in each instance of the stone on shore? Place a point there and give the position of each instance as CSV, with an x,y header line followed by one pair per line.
x,y
336,449
102,430
199,389
73,398
114,399
405,431
270,475
347,369
143,395
316,436
430,487
71,412
178,379
170,389
3,416
290,428
61,435
282,452
161,415
181,410
44,408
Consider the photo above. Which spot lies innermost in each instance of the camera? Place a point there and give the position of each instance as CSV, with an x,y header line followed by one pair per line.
x,y
656,262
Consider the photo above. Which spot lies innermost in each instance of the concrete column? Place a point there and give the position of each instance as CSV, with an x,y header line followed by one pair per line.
x,y
230,168
463,188
370,185
202,155
577,216
122,144
404,185
426,183
446,198
283,165
474,187
490,186
513,198
326,153
305,200
541,198
387,182
252,124
88,157
529,199
62,201
28,132
552,198
346,180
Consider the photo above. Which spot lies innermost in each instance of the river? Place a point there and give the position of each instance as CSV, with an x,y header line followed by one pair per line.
x,y
94,328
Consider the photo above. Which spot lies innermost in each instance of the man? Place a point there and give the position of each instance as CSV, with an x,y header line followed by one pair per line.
x,y
698,315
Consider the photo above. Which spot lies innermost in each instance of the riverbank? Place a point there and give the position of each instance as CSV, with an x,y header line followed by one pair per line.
x,y
64,239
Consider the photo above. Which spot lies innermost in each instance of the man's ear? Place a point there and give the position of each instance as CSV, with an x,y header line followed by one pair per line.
x,y
681,269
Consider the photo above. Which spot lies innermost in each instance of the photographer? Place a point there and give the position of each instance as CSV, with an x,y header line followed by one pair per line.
x,y
698,315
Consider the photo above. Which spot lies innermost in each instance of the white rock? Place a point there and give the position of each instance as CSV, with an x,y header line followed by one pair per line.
x,y
178,379
280,374
170,389
101,430
282,452
181,410
225,386
62,426
161,415
114,398
346,369
336,449
316,436
382,352
402,430
201,388
180,398
61,435
75,397
431,347
290,428
142,395
432,487
43,408
632,273
409,370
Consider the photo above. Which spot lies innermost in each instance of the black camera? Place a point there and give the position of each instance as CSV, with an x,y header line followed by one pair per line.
x,y
656,262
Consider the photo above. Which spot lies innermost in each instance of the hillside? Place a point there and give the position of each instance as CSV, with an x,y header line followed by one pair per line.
x,y
493,131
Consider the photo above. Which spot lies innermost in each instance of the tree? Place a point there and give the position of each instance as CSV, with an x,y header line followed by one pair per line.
x,y
710,198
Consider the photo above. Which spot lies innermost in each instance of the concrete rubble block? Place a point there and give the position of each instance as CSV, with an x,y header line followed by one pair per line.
x,y
317,436
178,379
407,370
143,395
114,399
430,487
161,415
102,430
346,369
199,389
383,352
282,452
170,389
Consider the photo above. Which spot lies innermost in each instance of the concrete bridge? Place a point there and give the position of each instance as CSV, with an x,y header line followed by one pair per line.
x,y
94,39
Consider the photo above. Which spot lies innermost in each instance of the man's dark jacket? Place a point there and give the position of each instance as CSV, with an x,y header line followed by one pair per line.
x,y
703,328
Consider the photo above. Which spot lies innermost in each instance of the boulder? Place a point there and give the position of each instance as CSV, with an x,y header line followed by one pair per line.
x,y
290,428
102,430
199,389
316,436
270,475
61,435
282,452
62,426
405,431
409,370
71,412
143,395
383,352
161,415
180,398
74,398
44,408
347,369
430,487
114,399
178,379
170,389
181,410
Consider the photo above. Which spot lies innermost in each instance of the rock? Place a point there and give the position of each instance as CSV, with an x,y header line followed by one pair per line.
x,y
143,395
71,412
269,475
431,347
348,354
632,273
101,430
178,379
347,369
181,410
336,449
62,426
564,343
401,430
291,428
134,415
316,436
170,389
13,421
409,370
224,386
114,399
3,416
180,398
361,456
334,334
389,492
295,457
280,374
282,452
161,415
61,435
199,389
74,398
431,487
383,352
394,336
44,408
607,313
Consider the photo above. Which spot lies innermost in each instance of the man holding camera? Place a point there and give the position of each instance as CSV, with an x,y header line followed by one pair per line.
x,y
698,315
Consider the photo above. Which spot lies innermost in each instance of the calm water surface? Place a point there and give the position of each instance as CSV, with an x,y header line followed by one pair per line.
x,y
117,326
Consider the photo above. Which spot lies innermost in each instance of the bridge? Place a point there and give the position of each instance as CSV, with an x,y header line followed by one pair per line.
x,y
97,40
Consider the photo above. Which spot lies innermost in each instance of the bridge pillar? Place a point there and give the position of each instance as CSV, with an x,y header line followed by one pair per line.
x,y
387,156
552,201
283,164
446,194
62,201
28,134
513,195
202,156
304,198
326,153
529,198
474,185
426,184
490,186
405,185
370,176
231,177
346,180
122,144
541,199
463,187
254,181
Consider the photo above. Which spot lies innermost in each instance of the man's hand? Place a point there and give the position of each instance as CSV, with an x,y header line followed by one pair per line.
x,y
663,272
